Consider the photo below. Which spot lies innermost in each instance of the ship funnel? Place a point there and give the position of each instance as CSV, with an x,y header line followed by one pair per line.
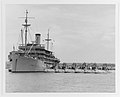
x,y
37,38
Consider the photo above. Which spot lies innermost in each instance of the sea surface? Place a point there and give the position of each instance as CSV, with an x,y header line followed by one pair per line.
x,y
60,82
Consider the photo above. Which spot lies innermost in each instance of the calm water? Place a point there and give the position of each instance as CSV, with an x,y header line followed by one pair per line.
x,y
59,82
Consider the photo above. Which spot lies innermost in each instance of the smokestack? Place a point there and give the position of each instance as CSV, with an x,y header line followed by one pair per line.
x,y
37,38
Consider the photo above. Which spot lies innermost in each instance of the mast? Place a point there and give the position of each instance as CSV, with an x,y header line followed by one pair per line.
x,y
22,36
26,28
48,39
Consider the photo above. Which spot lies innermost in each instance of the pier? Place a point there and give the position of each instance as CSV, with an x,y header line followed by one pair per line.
x,y
95,68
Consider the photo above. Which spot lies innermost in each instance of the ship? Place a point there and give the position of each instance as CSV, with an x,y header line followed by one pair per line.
x,y
34,56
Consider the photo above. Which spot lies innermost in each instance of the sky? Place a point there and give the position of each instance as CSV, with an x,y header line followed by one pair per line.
x,y
79,32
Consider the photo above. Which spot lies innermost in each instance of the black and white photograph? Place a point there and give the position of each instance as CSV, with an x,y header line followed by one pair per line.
x,y
60,48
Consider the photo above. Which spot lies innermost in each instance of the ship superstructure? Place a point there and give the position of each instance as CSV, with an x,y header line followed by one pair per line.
x,y
31,57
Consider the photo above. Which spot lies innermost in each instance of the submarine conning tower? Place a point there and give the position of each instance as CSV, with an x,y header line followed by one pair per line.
x,y
37,38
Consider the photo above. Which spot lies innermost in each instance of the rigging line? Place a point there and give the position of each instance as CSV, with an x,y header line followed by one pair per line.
x,y
30,49
31,31
18,40
29,34
28,31
23,28
31,40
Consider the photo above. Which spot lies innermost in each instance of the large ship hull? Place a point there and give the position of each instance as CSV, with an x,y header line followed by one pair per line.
x,y
31,57
26,64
